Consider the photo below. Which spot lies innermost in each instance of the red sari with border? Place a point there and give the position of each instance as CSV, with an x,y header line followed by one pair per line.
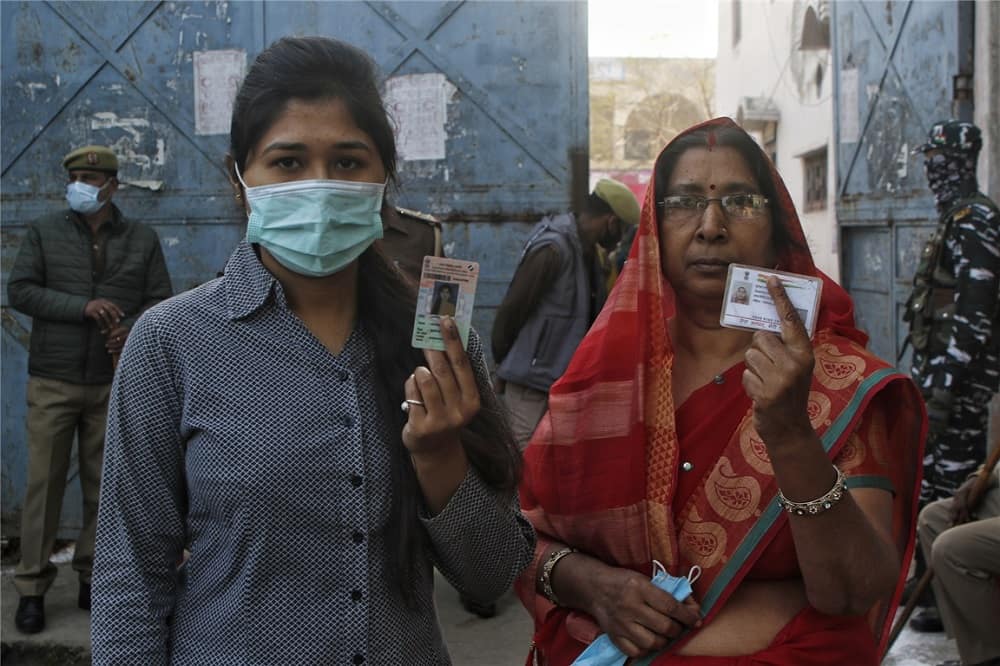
x,y
602,472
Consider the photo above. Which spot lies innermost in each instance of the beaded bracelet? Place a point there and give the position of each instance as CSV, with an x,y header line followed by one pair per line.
x,y
546,577
820,504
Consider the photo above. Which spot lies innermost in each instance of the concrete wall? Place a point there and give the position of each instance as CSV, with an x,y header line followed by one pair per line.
x,y
986,96
986,93
766,63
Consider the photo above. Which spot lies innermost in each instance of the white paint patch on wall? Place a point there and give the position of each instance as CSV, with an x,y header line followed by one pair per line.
x,y
104,120
30,89
151,185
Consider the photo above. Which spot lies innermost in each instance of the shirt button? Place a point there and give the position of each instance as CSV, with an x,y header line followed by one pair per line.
x,y
342,375
359,658
718,379
356,480
358,537
347,420
356,595
687,467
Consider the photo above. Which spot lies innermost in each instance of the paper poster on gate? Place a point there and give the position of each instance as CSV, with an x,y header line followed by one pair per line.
x,y
217,77
848,109
418,105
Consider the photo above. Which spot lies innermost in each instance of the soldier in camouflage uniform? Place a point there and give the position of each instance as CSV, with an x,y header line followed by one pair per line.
x,y
953,311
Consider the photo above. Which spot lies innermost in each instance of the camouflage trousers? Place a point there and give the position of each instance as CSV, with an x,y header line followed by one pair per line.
x,y
952,456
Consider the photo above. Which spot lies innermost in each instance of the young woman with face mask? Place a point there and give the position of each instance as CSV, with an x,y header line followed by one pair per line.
x,y
256,421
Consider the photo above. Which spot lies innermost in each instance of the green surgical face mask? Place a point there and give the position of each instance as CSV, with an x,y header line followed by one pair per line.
x,y
315,227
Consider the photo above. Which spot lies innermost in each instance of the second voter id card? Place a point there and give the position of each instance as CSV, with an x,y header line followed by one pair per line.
x,y
748,304
447,288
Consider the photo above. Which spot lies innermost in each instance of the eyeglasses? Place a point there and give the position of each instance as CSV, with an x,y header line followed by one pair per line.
x,y
684,207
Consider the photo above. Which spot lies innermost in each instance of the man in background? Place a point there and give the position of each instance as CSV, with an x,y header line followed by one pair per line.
x,y
84,275
556,293
961,542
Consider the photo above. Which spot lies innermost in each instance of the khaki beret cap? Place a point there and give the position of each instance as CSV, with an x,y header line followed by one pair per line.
x,y
619,198
95,158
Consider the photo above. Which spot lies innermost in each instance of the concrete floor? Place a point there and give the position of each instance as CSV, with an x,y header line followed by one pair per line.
x,y
500,641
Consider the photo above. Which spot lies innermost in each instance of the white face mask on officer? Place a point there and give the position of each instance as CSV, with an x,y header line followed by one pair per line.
x,y
84,198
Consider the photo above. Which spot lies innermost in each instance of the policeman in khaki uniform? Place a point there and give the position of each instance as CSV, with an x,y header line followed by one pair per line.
x,y
953,311
84,275
409,236
962,541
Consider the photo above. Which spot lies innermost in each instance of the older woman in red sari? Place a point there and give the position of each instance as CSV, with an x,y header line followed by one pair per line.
x,y
785,468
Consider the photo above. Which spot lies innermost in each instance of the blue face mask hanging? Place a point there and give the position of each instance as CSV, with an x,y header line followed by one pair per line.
x,y
315,227
602,652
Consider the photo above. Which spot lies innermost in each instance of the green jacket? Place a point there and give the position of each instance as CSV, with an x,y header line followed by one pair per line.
x,y
53,280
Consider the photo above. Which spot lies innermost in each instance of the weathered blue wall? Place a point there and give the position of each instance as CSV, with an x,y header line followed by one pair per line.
x,y
122,74
895,65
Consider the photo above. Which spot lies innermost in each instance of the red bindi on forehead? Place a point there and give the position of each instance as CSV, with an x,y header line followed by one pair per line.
x,y
712,186
711,140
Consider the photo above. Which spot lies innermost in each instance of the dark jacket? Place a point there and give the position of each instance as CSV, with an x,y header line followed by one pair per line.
x,y
54,278
546,342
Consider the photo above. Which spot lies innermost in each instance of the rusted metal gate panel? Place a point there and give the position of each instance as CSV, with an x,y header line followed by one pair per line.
x,y
126,74
898,67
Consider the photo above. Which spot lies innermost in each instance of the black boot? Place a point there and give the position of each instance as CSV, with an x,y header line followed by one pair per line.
x,y
927,621
83,599
30,617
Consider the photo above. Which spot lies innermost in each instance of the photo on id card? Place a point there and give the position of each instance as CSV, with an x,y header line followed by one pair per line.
x,y
447,289
748,304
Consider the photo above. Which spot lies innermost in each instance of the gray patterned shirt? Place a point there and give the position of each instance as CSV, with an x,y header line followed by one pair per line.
x,y
234,433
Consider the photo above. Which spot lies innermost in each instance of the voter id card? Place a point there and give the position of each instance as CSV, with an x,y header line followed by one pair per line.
x,y
748,303
447,288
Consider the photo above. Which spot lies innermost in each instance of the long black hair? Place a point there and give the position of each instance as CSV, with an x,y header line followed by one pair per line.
x,y
760,168
316,68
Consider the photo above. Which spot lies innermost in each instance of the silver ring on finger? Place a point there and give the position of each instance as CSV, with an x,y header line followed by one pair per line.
x,y
405,406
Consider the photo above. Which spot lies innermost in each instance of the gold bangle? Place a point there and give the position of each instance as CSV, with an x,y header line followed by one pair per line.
x,y
820,504
546,577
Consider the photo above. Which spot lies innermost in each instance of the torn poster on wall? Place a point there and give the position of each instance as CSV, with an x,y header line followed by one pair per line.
x,y
419,105
850,121
217,77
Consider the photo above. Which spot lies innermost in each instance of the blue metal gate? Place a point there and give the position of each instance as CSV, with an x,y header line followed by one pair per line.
x,y
152,80
900,66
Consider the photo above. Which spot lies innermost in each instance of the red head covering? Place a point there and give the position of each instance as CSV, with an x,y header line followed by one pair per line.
x,y
626,359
